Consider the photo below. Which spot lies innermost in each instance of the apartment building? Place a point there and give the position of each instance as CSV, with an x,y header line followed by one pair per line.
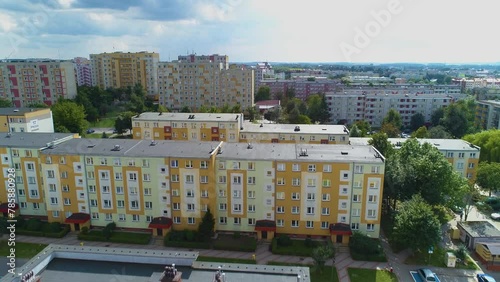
x,y
263,70
353,106
26,120
462,155
231,128
187,126
32,81
208,80
20,152
299,189
303,88
488,114
121,70
83,71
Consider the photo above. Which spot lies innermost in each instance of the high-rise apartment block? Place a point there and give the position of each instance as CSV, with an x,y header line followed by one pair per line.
x,y
302,87
83,71
488,114
121,70
231,128
262,189
262,71
194,81
32,81
372,103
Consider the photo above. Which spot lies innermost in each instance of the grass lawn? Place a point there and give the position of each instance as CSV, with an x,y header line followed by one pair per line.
x,y
371,275
231,243
329,273
94,135
298,248
23,250
107,121
226,260
437,259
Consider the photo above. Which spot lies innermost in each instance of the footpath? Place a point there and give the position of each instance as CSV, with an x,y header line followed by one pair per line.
x,y
343,260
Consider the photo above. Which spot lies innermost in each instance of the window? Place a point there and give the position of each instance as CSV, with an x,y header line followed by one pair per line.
x,y
20,192
449,155
104,161
311,182
236,207
251,221
30,166
343,205
105,189
134,204
296,167
131,162
36,206
325,211
222,179
237,220
373,185
251,194
324,225
177,219
281,167
355,226
67,201
295,210
191,220
175,178
135,217
95,215
251,208
222,193
371,214
311,168
92,188
326,183
223,220
236,179
189,164
310,210
189,178
471,165
174,163
118,176
343,190
52,187
146,177
204,193
31,180
34,193
120,203
222,165
370,227
280,222
345,175
311,196
472,155
358,169
251,166
117,162
190,193
107,204
295,223
119,190
309,224
236,194
55,213
251,180
176,206
204,164
50,174
222,207
236,165
280,195
295,196
147,191
327,168
145,163
460,165
280,209
356,198
372,198
121,217
281,181
375,169
296,182
53,201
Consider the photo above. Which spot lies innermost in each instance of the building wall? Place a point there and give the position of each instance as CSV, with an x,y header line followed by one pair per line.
x,y
39,120
274,137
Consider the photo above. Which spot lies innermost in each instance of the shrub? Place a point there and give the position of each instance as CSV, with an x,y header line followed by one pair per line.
x,y
176,236
461,252
308,242
189,235
284,241
442,214
21,222
84,230
55,227
361,243
106,233
111,225
236,235
34,224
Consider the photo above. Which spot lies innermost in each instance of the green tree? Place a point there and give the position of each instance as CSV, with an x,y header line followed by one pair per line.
x,y
439,132
417,121
206,227
37,105
303,119
251,113
264,93
455,121
186,109
124,122
488,176
354,132
416,226
381,142
364,127
390,129
69,117
488,142
4,103
321,255
436,116
317,108
393,117
421,133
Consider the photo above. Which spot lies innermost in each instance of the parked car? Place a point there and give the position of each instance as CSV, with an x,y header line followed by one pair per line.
x,y
89,131
485,278
495,216
427,275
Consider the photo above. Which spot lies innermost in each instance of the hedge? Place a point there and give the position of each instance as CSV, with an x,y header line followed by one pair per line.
x,y
60,234
294,250
245,246
187,244
117,237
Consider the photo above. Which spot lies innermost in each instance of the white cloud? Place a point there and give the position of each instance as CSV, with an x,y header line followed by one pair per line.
x,y
7,23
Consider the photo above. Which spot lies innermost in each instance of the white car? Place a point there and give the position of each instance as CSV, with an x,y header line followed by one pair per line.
x,y
495,216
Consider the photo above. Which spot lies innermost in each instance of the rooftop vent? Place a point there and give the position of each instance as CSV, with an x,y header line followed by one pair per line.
x,y
9,134
219,151
436,144
16,110
153,143
117,148
91,146
261,125
297,128
50,145
237,116
303,153
160,113
249,146
323,128
344,153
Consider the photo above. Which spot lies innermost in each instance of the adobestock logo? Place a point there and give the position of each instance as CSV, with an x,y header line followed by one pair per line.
x,y
363,37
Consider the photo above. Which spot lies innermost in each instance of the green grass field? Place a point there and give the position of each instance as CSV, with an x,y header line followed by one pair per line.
x,y
328,274
23,250
371,275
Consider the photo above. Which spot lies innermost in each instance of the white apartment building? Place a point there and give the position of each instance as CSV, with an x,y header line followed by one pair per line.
x,y
83,71
32,81
206,80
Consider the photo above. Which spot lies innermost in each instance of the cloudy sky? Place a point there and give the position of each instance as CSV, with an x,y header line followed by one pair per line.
x,y
447,31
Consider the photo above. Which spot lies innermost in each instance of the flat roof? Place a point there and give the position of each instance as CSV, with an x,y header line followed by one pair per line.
x,y
491,102
32,139
313,152
250,127
480,228
441,144
208,117
133,148
18,111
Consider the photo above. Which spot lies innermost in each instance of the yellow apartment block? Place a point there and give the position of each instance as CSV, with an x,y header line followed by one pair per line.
x,y
231,128
462,155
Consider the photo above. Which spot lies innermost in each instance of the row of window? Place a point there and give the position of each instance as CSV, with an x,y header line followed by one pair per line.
x,y
185,125
291,137
461,155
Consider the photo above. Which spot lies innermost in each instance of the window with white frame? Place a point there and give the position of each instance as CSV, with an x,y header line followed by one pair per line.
x,y
53,201
295,209
310,210
295,196
104,161
92,188
311,168
52,187
358,169
327,168
146,177
67,201
355,226
325,211
189,193
356,198
222,165
177,219
251,208
296,167
370,227
237,221
189,178
204,179
204,164
251,180
176,206
108,216
327,182
36,206
311,196
343,205
148,205
251,194
356,212
375,169
50,174
280,167
119,190
55,213
106,204
118,176
309,224
236,165
236,207
222,179
280,223
135,217
121,217
105,189
132,176
134,204
280,195
223,220
295,181
222,206
236,194
236,179
222,193
371,213
175,178
280,209
191,220
120,204
95,215
295,223
372,198
204,193
174,163
251,166
147,191
251,221
281,181
311,182
189,164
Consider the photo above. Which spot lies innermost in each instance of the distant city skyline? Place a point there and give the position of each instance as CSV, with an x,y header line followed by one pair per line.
x,y
378,31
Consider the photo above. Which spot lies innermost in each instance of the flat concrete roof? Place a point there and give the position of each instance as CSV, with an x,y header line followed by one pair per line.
x,y
292,152
249,127
441,144
491,102
32,139
133,148
480,228
208,117
18,111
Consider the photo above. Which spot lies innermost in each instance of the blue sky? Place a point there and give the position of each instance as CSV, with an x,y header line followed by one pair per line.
x,y
255,30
